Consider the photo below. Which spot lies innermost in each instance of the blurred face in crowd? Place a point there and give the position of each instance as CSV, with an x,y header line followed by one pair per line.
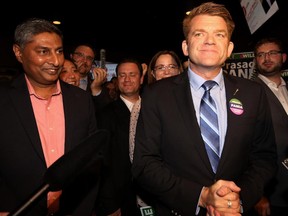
x,y
42,58
83,57
113,93
269,59
129,79
69,73
165,66
207,44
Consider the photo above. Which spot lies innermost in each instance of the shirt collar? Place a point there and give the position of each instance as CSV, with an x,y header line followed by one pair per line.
x,y
196,81
270,82
129,104
32,91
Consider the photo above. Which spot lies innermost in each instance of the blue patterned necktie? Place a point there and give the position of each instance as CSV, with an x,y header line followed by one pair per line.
x,y
209,125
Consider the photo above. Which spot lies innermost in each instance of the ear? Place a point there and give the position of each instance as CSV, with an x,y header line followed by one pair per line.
x,y
18,53
185,48
145,68
142,79
230,48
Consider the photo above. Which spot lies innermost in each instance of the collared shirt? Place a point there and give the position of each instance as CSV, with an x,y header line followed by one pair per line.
x,y
133,125
218,93
49,115
129,104
280,91
83,83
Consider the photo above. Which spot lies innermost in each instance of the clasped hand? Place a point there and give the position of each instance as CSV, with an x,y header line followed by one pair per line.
x,y
221,199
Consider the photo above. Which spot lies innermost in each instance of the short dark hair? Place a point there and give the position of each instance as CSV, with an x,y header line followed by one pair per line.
x,y
265,40
130,60
84,44
26,30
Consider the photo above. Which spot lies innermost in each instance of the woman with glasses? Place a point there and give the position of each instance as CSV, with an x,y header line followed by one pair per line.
x,y
164,64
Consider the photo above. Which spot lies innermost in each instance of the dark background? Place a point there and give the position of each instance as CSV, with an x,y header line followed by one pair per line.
x,y
124,28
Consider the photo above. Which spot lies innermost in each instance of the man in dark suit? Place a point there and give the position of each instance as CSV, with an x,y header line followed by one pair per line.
x,y
118,194
269,60
170,158
42,119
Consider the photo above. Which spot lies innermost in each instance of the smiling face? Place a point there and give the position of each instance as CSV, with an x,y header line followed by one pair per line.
x,y
42,58
207,45
129,79
69,73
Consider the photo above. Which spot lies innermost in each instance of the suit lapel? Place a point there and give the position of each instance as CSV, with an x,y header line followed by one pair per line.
x,y
232,90
272,97
69,112
186,108
123,115
21,101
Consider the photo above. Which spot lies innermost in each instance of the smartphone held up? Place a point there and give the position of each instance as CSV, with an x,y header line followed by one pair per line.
x,y
100,64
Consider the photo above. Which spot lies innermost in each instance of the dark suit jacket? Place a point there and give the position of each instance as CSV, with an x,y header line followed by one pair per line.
x,y
277,191
101,101
170,160
117,190
22,163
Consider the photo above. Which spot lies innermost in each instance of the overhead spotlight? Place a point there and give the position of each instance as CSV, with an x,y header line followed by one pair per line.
x,y
56,22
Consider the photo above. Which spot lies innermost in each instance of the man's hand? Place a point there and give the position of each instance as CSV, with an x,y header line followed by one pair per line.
x,y
222,198
100,77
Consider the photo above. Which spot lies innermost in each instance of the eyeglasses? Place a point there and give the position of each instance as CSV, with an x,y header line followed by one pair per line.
x,y
170,67
82,56
272,53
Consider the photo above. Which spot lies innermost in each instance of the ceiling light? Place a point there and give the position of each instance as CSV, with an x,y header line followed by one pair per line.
x,y
56,22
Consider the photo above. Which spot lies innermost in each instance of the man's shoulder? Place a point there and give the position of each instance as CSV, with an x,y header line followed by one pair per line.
x,y
242,80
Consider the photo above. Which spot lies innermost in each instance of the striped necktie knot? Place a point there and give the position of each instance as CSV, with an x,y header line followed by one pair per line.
x,y
208,85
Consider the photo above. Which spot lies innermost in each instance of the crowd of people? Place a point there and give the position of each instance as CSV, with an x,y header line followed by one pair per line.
x,y
166,153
